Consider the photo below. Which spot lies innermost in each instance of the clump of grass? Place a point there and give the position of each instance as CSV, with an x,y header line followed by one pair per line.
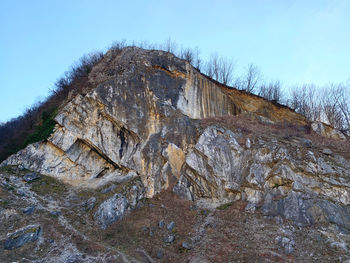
x,y
48,185
9,169
224,206
204,212
4,204
249,126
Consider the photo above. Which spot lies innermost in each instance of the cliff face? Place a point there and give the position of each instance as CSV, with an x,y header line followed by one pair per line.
x,y
142,119
137,121
152,122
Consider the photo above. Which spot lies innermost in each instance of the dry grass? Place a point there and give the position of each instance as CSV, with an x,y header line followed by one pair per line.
x,y
250,126
253,127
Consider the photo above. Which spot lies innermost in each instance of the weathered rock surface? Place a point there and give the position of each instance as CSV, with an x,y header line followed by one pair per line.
x,y
327,131
111,210
143,120
30,177
202,234
139,118
281,179
140,121
114,208
22,236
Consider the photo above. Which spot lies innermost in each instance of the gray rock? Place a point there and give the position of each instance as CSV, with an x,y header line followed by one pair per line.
x,y
248,143
334,214
145,230
108,189
111,210
217,159
161,224
304,210
171,225
29,177
306,142
28,210
134,194
22,236
55,213
21,192
327,151
340,245
186,245
293,207
182,189
74,258
160,253
169,239
287,244
90,203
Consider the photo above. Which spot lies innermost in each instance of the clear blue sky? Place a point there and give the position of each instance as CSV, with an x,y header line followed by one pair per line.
x,y
293,41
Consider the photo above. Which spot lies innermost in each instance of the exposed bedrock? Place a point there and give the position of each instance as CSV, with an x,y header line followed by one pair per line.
x,y
280,178
141,119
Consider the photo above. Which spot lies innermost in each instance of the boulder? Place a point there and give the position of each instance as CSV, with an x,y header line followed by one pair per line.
x,y
169,239
90,203
111,210
22,236
161,224
287,244
28,210
29,177
171,225
327,131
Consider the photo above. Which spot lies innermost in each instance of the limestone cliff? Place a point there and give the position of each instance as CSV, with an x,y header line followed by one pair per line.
x,y
142,119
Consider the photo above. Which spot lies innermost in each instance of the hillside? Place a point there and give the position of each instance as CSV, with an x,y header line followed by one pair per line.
x,y
149,138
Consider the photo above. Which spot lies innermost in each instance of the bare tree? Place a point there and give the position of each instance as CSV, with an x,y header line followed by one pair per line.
x,y
344,105
252,78
226,71
335,103
197,59
187,54
212,66
170,46
220,69
304,101
271,91
118,45
331,113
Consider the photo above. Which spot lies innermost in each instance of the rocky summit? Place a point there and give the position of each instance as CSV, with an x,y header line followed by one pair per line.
x,y
156,162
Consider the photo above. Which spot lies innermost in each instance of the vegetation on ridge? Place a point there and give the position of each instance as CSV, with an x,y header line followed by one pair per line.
x,y
37,122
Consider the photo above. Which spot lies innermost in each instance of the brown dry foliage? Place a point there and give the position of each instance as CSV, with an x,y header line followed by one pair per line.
x,y
252,127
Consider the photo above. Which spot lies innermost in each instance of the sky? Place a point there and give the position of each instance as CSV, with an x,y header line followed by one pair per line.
x,y
294,41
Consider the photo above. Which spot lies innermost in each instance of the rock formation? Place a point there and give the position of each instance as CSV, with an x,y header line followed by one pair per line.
x,y
143,119
139,120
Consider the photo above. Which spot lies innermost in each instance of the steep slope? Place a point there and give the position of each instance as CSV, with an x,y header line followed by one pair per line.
x,y
138,120
146,118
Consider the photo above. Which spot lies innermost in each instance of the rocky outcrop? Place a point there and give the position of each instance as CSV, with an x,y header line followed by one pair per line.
x,y
281,177
327,131
22,236
139,119
114,208
142,119
111,210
